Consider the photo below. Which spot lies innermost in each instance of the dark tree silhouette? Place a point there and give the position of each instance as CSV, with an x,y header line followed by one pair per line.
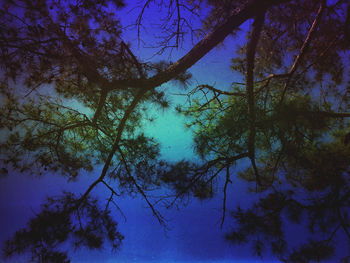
x,y
65,218
288,117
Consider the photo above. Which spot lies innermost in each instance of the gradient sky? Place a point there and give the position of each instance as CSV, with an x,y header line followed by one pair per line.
x,y
194,233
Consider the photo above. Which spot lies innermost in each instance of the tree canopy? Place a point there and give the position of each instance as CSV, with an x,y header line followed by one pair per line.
x,y
288,117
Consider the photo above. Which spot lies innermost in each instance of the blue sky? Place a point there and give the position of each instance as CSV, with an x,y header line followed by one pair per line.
x,y
193,233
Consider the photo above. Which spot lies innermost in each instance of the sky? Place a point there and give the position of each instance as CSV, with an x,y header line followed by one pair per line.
x,y
193,232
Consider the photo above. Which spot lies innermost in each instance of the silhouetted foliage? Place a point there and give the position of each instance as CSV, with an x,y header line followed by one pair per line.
x,y
289,119
65,219
75,96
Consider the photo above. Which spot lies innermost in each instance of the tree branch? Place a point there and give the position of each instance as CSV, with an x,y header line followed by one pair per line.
x,y
212,39
205,168
224,200
251,49
110,188
110,200
178,23
88,66
324,52
343,223
303,48
220,92
101,103
139,19
155,212
137,63
115,146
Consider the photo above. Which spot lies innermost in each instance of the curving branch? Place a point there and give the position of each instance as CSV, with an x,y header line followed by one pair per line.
x,y
322,54
139,19
154,211
110,200
303,48
239,16
115,146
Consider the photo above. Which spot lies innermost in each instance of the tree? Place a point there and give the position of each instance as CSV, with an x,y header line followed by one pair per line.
x,y
290,121
75,51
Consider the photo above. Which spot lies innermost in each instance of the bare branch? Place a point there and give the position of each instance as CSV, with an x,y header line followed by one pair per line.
x,y
287,75
178,23
333,234
344,224
110,188
324,52
139,19
155,212
212,39
120,211
110,200
303,48
224,199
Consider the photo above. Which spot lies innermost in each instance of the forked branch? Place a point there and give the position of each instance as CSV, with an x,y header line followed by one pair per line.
x,y
154,211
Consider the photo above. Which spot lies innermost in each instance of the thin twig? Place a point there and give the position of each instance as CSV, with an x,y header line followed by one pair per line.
x,y
120,211
343,223
220,91
139,20
109,200
178,23
110,188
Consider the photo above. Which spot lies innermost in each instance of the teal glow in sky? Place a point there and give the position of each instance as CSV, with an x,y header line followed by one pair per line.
x,y
193,232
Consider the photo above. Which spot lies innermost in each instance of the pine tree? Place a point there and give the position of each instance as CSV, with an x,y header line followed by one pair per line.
x,y
74,96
